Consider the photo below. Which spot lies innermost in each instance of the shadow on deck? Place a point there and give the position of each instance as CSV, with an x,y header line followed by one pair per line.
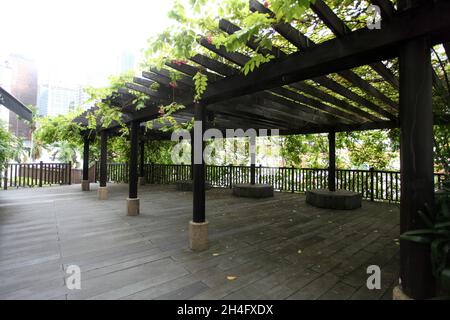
x,y
277,248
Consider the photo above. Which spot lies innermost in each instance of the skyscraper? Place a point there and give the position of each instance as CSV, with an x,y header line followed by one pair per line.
x,y
55,99
18,75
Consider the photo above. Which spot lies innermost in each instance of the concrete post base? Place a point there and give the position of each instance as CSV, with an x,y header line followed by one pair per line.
x,y
102,193
141,181
85,186
198,236
398,294
132,207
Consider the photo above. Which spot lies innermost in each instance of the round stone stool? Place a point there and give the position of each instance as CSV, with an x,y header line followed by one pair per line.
x,y
339,199
248,190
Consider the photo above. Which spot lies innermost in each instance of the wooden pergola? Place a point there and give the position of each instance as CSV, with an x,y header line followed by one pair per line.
x,y
296,94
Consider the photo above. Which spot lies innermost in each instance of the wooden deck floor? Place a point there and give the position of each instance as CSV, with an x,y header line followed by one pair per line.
x,y
278,248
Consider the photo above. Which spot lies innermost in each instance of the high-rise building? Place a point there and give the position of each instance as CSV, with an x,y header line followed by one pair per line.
x,y
5,82
125,62
18,75
55,99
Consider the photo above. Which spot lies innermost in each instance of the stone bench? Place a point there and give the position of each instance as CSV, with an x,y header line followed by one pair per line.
x,y
248,190
339,199
186,185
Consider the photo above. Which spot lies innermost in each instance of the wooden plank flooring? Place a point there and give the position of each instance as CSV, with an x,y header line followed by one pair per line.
x,y
278,248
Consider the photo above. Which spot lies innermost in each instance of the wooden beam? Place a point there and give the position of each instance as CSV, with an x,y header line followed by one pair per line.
x,y
158,95
349,94
192,71
309,114
255,105
340,29
241,59
342,128
230,28
143,82
387,12
355,49
183,82
386,6
13,104
287,31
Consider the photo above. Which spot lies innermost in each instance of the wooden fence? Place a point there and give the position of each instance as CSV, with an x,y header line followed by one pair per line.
x,y
17,175
380,185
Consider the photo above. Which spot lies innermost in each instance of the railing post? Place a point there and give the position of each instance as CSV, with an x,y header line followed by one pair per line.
x,y
260,174
153,173
70,172
292,179
5,182
372,184
41,172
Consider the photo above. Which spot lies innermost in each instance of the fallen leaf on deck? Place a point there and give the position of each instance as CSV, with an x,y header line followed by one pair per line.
x,y
231,278
215,254
299,251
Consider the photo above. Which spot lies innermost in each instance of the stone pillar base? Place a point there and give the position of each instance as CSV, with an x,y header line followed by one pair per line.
x,y
132,206
85,186
102,193
398,294
198,236
141,181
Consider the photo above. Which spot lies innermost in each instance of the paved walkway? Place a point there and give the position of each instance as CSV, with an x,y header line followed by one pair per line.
x,y
279,248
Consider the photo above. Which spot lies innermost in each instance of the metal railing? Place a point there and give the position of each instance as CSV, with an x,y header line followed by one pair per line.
x,y
18,175
374,185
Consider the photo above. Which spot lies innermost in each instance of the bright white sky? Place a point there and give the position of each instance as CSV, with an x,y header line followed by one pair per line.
x,y
79,41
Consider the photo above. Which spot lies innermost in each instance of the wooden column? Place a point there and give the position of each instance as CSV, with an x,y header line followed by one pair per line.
x,y
133,167
332,161
198,227
199,166
86,157
192,155
416,160
103,157
252,160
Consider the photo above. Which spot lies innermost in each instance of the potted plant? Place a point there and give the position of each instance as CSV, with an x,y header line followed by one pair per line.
x,y
437,236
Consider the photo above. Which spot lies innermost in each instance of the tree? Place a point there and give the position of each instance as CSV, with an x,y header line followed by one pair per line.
x,y
10,146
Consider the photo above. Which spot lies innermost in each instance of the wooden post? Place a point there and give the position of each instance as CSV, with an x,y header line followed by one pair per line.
x,y
86,157
198,227
252,173
252,146
70,173
152,168
199,166
132,177
332,161
5,182
416,160
372,183
192,155
292,179
231,175
103,158
85,176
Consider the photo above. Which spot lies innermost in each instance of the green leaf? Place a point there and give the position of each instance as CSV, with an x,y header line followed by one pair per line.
x,y
417,239
425,219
